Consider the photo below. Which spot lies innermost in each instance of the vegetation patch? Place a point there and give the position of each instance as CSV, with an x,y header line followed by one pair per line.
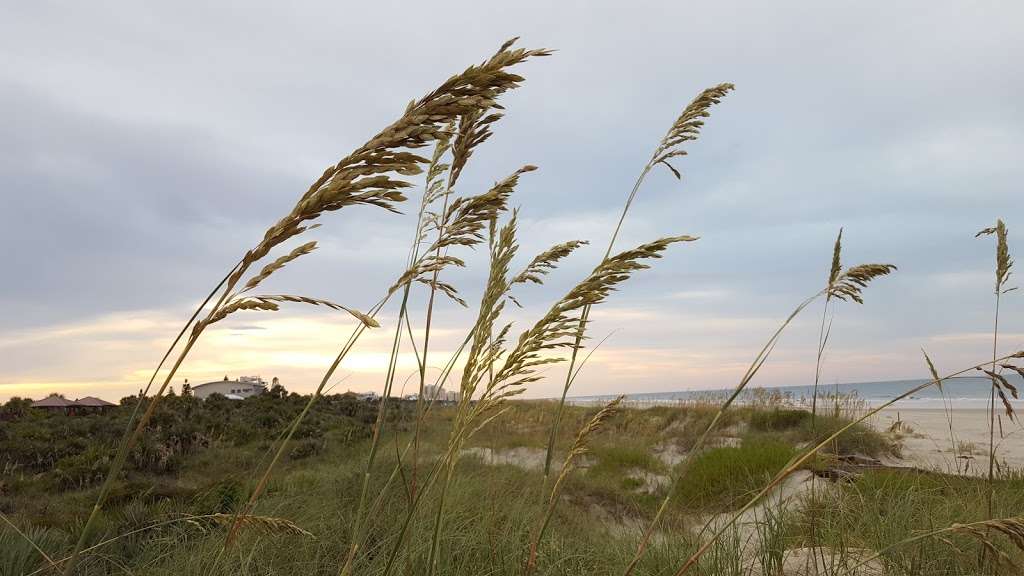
x,y
860,439
719,478
885,507
778,419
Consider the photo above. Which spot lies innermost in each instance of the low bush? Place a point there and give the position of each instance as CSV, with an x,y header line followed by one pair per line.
x,y
305,448
75,450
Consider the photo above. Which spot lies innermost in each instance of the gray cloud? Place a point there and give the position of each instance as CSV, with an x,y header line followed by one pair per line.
x,y
143,148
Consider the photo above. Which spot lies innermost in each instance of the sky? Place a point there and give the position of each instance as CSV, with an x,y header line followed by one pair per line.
x,y
145,147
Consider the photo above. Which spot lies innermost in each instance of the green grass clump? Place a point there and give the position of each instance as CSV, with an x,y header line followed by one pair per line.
x,y
720,477
616,457
613,477
17,556
778,419
860,439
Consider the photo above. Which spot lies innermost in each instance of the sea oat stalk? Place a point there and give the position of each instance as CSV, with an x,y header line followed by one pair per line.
x,y
578,449
686,128
1003,265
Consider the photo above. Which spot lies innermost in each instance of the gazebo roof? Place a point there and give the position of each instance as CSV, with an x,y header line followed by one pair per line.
x,y
53,401
92,401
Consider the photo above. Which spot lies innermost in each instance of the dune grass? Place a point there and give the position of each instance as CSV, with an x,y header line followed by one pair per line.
x,y
719,478
883,508
318,493
592,531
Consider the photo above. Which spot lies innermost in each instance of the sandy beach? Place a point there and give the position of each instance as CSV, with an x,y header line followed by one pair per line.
x,y
925,436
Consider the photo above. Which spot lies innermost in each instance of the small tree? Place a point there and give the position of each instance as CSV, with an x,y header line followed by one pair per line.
x,y
15,408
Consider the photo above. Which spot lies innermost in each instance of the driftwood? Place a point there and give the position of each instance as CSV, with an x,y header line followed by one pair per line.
x,y
849,467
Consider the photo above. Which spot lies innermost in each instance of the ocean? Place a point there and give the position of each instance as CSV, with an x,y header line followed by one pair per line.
x,y
960,393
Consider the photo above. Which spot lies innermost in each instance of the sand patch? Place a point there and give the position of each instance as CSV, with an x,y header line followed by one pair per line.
x,y
648,482
669,453
926,443
522,457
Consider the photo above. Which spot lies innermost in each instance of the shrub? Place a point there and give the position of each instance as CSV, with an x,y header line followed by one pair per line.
x,y
82,470
305,448
74,450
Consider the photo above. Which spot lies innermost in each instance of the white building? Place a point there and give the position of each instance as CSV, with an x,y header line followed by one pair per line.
x,y
439,394
244,387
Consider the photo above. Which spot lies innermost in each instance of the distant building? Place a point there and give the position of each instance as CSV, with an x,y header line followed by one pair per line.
x,y
244,387
368,396
55,403
93,404
58,403
439,394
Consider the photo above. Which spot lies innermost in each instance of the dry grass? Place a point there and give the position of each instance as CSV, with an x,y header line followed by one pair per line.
x,y
577,450
546,261
264,524
278,264
1002,270
271,303
687,127
1003,260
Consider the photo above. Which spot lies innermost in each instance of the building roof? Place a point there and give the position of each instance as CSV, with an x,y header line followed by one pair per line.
x,y
239,383
53,401
92,401
215,382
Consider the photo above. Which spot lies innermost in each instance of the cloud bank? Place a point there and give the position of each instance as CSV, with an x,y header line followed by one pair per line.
x,y
143,148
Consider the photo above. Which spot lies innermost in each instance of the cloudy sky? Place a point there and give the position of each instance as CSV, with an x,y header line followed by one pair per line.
x,y
144,148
